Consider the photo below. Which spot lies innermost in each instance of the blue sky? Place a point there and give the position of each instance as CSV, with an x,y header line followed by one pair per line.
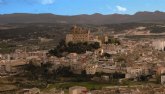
x,y
75,7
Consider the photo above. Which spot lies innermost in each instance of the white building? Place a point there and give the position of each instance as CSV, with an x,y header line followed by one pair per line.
x,y
0,56
159,44
107,69
11,65
31,91
77,90
163,79
133,72
39,54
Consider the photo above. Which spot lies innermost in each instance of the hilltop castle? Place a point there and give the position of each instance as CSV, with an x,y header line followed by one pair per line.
x,y
79,34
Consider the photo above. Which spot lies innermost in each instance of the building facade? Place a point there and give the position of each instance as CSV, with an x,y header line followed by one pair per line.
x,y
77,90
78,34
159,45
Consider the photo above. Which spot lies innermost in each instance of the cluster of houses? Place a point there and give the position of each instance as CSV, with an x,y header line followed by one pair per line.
x,y
94,62
133,58
10,64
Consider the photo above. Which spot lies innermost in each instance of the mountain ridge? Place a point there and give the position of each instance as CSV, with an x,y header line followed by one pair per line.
x,y
96,18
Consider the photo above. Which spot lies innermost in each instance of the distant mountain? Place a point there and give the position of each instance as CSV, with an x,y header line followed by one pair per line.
x,y
143,17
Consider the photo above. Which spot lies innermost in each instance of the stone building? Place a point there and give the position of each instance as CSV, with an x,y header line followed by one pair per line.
x,y
91,68
133,72
78,34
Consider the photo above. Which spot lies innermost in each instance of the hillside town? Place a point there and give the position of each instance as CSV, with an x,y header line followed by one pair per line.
x,y
125,66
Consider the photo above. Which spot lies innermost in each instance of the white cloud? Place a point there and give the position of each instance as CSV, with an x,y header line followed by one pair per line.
x,y
121,9
47,2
